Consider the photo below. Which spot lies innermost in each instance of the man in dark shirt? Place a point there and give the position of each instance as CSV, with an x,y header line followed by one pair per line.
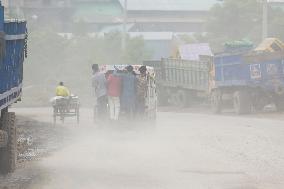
x,y
141,90
128,93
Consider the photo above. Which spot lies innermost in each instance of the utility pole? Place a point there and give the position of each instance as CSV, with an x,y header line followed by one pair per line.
x,y
124,32
264,19
6,5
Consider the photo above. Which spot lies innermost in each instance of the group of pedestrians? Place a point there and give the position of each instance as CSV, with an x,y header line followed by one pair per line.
x,y
120,92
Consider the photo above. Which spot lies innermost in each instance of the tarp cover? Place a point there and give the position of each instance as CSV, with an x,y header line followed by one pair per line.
x,y
193,51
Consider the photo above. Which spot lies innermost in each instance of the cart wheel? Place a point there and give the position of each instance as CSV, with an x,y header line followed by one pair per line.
x,y
54,115
61,114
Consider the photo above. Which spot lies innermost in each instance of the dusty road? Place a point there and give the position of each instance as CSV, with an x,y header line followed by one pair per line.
x,y
183,150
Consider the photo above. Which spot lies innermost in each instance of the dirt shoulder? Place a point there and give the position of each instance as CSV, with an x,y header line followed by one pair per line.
x,y
39,138
36,140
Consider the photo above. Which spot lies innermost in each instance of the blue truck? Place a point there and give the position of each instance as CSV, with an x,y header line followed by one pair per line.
x,y
246,81
13,50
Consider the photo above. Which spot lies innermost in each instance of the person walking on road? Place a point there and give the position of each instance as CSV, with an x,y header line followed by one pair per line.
x,y
99,83
141,90
114,91
128,93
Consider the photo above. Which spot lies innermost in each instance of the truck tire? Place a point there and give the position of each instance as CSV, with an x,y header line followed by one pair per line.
x,y
216,102
8,155
181,99
242,102
258,107
279,103
173,99
258,103
163,98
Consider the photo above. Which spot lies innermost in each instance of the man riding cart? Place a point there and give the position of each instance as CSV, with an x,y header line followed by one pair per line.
x,y
64,104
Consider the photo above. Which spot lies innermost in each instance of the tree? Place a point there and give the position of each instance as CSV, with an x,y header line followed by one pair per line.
x,y
276,22
108,50
234,20
53,58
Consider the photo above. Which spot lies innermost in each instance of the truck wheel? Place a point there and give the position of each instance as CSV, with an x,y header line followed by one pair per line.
x,y
8,155
279,103
216,102
181,99
55,110
258,103
163,98
173,99
259,107
242,102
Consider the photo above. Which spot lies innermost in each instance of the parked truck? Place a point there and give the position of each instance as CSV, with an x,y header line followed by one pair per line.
x,y
244,79
180,82
13,43
247,81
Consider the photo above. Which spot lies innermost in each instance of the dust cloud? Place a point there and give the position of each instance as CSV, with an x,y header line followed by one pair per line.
x,y
179,151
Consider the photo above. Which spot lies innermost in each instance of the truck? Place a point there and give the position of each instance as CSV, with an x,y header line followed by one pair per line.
x,y
180,82
246,81
13,50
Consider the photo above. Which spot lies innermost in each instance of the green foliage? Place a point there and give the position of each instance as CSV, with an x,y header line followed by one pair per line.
x,y
81,28
276,23
235,20
108,50
195,38
53,58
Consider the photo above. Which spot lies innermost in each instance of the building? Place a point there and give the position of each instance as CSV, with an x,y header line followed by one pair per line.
x,y
186,16
144,15
168,15
98,14
159,44
56,14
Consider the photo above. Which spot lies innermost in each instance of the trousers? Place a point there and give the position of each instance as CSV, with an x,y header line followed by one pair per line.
x,y
114,107
102,107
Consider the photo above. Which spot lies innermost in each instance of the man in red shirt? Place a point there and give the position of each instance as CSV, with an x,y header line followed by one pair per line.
x,y
114,91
